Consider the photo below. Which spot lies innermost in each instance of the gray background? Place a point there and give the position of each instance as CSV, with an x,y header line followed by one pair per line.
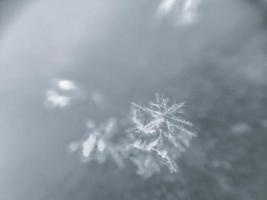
x,y
218,66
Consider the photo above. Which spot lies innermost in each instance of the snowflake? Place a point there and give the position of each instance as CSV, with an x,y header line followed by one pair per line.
x,y
160,133
99,144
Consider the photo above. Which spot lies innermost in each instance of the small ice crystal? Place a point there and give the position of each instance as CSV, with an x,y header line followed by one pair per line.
x,y
88,145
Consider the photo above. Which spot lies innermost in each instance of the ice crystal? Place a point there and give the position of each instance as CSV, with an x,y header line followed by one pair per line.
x,y
160,133
61,94
99,144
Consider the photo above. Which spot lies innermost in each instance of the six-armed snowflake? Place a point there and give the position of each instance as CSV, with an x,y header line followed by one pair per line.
x,y
160,133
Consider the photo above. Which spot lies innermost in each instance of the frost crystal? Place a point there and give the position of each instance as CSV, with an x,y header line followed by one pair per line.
x,y
99,144
160,133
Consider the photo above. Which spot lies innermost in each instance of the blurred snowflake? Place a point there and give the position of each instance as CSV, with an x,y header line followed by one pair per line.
x,y
99,144
184,10
160,134
62,93
189,12
165,7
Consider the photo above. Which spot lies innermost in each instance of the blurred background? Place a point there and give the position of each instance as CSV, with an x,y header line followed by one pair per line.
x,y
118,52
